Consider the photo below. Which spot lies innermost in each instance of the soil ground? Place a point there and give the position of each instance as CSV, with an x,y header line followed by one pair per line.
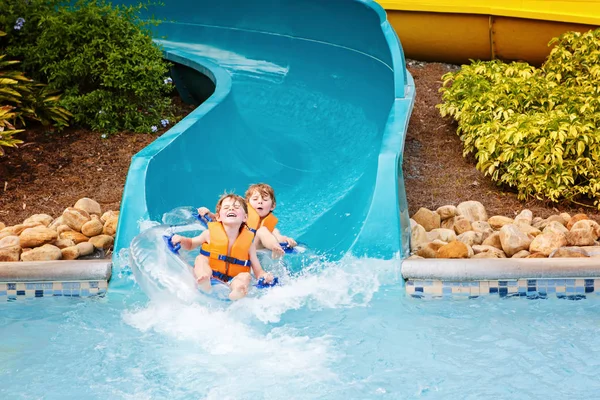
x,y
52,171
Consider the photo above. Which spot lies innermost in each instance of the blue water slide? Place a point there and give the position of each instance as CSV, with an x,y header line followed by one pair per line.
x,y
310,96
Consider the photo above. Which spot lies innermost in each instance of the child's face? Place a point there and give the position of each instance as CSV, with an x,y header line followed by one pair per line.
x,y
231,212
262,204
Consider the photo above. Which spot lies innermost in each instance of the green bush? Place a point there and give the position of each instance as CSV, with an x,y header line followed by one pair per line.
x,y
21,99
101,56
534,129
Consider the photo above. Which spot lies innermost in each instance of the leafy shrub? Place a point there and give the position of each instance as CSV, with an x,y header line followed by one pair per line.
x,y
534,129
101,56
21,99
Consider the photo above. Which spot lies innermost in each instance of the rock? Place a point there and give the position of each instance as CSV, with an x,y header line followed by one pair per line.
x,y
63,228
446,212
429,250
493,240
521,254
37,236
70,253
2,225
16,230
536,221
445,235
74,236
489,249
104,242
424,217
565,217
472,210
487,254
498,221
574,219
109,214
75,218
418,237
85,248
63,243
43,219
56,223
454,249
536,255
513,240
46,252
569,252
588,224
555,227
9,241
448,223
88,205
415,257
484,227
528,229
462,225
93,227
10,253
546,243
110,226
581,237
470,238
524,217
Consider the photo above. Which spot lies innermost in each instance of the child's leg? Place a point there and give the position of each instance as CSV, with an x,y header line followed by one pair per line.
x,y
239,286
203,273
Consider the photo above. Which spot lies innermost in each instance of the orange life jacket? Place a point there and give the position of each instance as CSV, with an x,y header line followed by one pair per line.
x,y
254,221
227,264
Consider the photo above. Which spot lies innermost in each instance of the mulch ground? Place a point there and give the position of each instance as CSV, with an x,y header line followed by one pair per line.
x,y
52,171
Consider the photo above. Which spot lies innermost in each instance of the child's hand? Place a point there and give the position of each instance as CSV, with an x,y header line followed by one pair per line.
x,y
202,211
186,243
277,252
291,242
267,276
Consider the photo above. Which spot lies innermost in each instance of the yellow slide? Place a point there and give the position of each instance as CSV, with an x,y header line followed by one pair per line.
x,y
458,30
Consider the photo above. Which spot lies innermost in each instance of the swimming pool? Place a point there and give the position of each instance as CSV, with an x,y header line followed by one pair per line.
x,y
341,330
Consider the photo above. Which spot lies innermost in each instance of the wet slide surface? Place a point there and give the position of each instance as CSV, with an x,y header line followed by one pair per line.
x,y
303,101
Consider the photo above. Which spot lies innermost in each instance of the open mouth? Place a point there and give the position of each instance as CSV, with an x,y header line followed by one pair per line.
x,y
231,214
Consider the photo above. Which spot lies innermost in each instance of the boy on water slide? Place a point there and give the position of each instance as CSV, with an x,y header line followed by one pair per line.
x,y
228,251
261,198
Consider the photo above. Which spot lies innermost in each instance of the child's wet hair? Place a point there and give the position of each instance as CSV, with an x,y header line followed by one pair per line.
x,y
263,189
235,198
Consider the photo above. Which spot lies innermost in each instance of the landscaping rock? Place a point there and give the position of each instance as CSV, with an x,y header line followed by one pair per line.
x,y
472,210
454,249
93,227
447,212
513,240
85,248
70,253
104,242
110,226
88,205
47,252
43,219
9,241
75,218
37,236
424,217
547,243
10,253
74,236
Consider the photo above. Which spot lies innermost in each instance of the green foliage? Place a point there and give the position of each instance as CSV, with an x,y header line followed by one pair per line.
x,y
536,130
7,130
101,56
21,99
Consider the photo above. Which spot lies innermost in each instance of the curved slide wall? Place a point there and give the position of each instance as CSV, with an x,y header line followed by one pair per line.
x,y
310,96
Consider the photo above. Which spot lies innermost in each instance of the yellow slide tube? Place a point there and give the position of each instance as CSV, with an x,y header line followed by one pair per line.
x,y
458,30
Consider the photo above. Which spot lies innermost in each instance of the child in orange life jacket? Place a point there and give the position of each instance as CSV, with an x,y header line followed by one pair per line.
x,y
261,198
228,250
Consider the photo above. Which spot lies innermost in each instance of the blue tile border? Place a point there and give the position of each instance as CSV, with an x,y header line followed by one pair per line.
x,y
565,288
10,291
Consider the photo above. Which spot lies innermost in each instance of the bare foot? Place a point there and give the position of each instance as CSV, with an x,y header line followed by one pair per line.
x,y
204,283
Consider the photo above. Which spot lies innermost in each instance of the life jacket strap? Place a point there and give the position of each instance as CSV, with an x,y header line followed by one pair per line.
x,y
222,277
250,229
221,257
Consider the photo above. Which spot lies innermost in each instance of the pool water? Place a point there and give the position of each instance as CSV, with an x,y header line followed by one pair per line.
x,y
338,330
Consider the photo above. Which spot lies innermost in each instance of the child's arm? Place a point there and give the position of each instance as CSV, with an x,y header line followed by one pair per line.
x,y
256,267
280,238
191,243
269,241
202,211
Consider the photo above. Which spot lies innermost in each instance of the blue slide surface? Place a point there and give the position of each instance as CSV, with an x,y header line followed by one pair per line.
x,y
310,96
